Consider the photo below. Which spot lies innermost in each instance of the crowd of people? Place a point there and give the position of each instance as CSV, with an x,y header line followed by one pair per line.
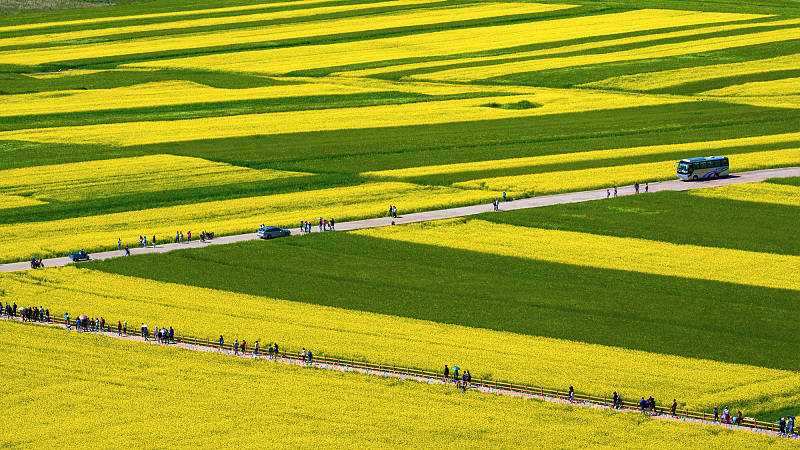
x,y
323,224
26,313
463,382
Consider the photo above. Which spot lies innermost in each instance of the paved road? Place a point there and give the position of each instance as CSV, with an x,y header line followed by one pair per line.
x,y
534,202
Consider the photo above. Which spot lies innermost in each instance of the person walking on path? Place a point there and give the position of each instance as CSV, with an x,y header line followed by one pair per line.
x,y
255,349
119,328
119,243
716,414
171,335
608,193
674,406
446,373
154,241
782,426
636,187
236,347
646,188
66,320
333,223
144,332
615,191
504,196
244,347
571,396
189,236
221,343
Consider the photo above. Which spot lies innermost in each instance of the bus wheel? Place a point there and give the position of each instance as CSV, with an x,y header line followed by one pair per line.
x,y
694,178
716,175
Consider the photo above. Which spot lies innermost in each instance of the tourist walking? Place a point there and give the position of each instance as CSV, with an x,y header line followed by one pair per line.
x,y
221,343
646,188
119,244
615,191
674,406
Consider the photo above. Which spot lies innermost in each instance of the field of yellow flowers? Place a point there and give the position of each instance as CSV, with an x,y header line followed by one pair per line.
x,y
205,399
555,363
121,120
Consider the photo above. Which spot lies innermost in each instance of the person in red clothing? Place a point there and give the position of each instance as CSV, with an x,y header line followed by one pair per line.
x,y
119,328
244,346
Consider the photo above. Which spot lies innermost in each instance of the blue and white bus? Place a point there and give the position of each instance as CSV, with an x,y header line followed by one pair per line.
x,y
703,168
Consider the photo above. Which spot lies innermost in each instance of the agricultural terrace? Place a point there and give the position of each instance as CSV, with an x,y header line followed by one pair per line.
x,y
130,120
205,397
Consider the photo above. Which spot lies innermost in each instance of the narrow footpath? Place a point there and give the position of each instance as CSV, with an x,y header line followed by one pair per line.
x,y
533,202
479,386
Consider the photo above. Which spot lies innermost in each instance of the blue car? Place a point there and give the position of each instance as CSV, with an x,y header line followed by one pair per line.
x,y
79,256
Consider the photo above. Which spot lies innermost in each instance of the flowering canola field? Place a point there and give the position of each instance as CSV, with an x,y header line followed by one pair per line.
x,y
231,216
115,124
402,341
781,194
121,176
232,401
638,255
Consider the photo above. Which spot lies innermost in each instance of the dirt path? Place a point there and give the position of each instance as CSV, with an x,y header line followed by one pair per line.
x,y
433,380
534,202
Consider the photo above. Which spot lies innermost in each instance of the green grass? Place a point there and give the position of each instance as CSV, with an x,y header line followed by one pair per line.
x,y
672,217
793,181
626,309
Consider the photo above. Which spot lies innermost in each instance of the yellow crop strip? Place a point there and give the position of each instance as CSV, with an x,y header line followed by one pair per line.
x,y
181,398
25,239
160,93
655,51
280,61
781,194
667,78
533,161
606,252
571,48
402,341
270,33
107,178
780,87
8,201
191,12
206,21
582,179
553,101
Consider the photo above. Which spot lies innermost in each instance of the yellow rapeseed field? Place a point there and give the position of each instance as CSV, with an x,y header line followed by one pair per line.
x,y
25,239
599,177
283,60
654,51
571,48
785,86
781,194
124,394
160,93
106,178
553,101
269,33
189,12
553,363
533,161
15,201
207,21
606,252
667,78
